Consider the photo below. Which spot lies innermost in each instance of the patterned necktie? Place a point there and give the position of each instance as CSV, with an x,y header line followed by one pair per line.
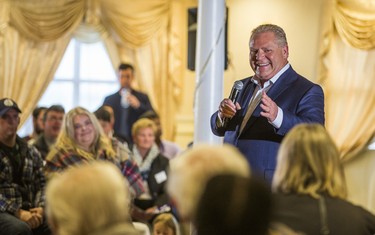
x,y
253,103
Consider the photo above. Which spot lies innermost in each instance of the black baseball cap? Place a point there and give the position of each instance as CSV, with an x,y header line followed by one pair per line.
x,y
6,104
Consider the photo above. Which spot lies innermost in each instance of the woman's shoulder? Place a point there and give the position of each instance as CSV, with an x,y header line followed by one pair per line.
x,y
162,158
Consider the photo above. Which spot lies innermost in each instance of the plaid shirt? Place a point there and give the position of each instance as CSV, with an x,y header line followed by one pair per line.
x,y
131,172
62,159
31,176
129,168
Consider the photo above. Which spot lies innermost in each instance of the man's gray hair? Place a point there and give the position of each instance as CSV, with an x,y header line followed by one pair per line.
x,y
277,30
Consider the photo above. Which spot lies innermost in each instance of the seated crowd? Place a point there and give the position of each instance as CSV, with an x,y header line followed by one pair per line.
x,y
86,180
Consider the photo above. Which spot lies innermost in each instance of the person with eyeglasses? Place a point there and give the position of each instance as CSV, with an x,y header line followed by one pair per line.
x,y
81,140
52,122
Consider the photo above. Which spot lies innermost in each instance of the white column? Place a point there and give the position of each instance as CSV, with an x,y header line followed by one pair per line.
x,y
209,67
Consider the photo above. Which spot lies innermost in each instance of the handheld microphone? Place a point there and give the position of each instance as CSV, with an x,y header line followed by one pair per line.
x,y
237,87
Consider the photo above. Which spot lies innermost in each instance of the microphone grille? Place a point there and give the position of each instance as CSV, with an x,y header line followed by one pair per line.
x,y
238,85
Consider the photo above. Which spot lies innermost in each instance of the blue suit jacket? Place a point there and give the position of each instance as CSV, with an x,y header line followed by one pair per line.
x,y
128,116
300,100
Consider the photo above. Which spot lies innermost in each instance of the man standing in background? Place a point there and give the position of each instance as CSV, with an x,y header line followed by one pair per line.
x,y
127,104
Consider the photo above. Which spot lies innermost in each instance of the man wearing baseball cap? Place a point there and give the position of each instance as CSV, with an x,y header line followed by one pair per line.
x,y
22,180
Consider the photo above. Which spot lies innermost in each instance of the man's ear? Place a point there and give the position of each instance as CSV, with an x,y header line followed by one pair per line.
x,y
286,52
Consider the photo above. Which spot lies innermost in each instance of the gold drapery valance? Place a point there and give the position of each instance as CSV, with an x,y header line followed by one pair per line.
x,y
35,33
355,23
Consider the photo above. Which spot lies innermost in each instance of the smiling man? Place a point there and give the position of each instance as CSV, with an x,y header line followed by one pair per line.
x,y
271,102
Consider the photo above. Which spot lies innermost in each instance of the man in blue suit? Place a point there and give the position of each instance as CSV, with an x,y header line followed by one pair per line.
x,y
127,104
270,103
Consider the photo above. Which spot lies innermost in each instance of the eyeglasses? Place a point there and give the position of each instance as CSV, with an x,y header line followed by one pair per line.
x,y
55,119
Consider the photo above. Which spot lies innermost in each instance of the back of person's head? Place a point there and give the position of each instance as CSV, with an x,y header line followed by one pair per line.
x,y
106,118
308,163
87,198
103,114
164,223
235,205
190,172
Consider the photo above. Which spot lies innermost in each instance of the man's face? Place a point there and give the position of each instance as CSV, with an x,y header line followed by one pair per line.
x,y
52,125
38,123
267,57
107,127
126,77
8,124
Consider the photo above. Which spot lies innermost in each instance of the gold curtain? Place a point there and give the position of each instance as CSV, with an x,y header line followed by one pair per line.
x,y
34,35
347,73
27,65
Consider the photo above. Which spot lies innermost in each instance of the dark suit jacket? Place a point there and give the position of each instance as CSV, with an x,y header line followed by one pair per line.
x,y
300,100
129,115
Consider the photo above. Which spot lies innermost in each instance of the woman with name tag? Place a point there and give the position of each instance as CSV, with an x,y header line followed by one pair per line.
x,y
153,167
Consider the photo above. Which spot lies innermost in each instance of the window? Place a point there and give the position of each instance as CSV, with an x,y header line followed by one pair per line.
x,y
84,77
372,145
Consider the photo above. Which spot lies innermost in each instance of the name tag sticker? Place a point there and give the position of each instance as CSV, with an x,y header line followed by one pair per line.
x,y
160,177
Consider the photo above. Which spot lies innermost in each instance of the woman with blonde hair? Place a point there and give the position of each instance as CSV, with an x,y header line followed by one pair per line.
x,y
81,140
310,189
89,199
154,170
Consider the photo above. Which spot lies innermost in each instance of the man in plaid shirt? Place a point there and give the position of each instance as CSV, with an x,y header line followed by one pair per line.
x,y
22,181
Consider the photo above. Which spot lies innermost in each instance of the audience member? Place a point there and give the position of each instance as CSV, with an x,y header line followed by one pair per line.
x,y
167,148
127,104
153,166
52,122
190,172
270,103
81,140
89,199
22,181
165,224
38,114
128,166
310,187
235,205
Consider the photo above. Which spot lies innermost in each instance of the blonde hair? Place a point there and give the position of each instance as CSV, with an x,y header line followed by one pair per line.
x,y
87,198
190,172
166,219
143,123
308,163
66,139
